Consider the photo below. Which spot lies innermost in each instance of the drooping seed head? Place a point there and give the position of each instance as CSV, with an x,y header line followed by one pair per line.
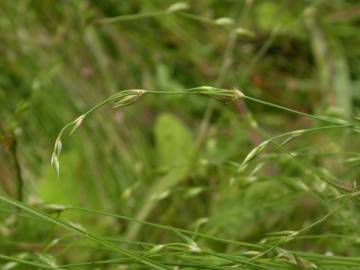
x,y
56,154
58,146
77,123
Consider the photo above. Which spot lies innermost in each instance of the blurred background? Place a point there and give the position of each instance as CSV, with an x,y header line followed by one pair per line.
x,y
173,159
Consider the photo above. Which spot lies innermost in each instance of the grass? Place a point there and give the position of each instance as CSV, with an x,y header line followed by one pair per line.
x,y
168,174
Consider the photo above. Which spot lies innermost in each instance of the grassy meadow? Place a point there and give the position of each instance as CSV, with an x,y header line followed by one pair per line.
x,y
206,134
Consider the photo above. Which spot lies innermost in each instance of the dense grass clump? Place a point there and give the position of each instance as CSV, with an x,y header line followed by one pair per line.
x,y
258,170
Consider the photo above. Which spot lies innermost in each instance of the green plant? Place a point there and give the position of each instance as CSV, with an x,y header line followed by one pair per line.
x,y
176,180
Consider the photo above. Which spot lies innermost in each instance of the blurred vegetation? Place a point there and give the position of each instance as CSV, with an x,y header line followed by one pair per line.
x,y
174,159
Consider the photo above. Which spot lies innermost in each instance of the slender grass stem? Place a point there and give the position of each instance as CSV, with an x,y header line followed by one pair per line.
x,y
314,117
29,263
128,97
17,166
131,17
81,232
165,227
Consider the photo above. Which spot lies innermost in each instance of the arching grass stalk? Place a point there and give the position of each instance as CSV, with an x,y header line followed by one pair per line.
x,y
121,99
130,17
82,232
289,136
180,6
166,227
291,235
128,97
153,253
307,115
148,223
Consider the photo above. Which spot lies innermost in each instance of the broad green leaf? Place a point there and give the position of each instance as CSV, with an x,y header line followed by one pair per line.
x,y
174,142
175,148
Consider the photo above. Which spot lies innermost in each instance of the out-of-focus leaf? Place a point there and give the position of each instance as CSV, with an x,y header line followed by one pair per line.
x,y
173,141
175,148
343,85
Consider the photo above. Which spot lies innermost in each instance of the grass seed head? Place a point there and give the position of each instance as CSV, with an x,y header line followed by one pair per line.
x,y
244,32
54,208
193,247
179,6
156,249
224,21
58,146
55,157
128,97
238,94
76,226
77,123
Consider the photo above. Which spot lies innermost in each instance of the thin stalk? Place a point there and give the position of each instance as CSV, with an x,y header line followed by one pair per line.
x,y
160,226
279,107
83,233
131,17
128,97
30,263
289,238
195,17
17,167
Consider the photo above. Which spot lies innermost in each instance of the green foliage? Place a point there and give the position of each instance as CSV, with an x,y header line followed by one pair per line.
x,y
175,149
174,143
155,171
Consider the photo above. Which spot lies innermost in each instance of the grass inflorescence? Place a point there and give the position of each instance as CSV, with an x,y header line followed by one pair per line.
x,y
190,177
